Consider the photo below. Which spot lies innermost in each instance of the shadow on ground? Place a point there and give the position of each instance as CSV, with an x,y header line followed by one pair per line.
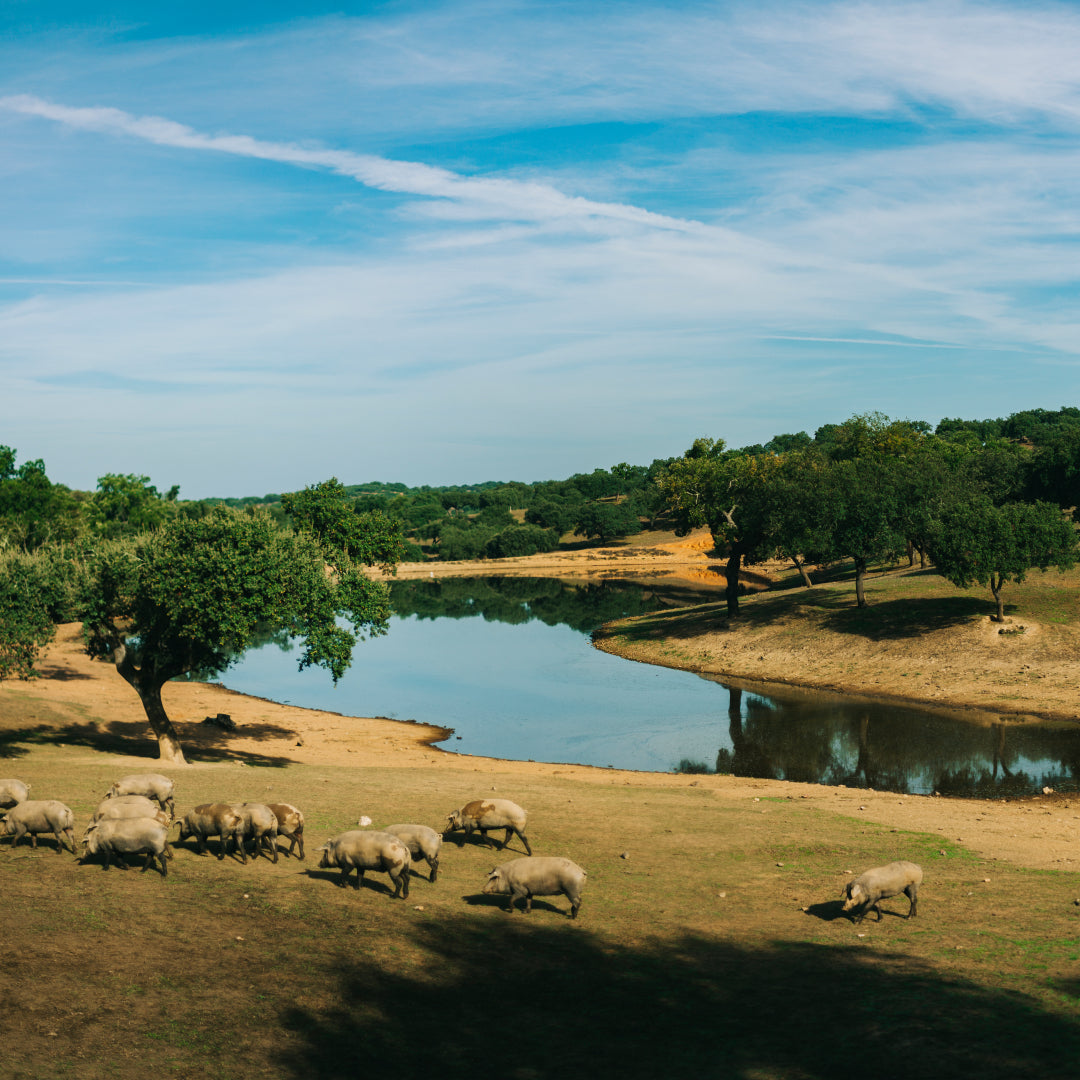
x,y
887,620
133,739
897,619
532,997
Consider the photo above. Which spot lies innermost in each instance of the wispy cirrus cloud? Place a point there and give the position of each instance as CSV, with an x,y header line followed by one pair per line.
x,y
646,221
498,197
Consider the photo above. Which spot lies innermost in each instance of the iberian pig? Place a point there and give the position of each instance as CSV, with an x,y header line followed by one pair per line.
x,y
879,884
35,816
361,850
541,875
485,814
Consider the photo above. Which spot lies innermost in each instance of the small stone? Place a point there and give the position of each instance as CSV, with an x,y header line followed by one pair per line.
x,y
247,896
365,821
861,935
239,938
724,894
418,907
625,855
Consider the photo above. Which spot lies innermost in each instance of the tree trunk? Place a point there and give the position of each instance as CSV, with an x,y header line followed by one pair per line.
x,y
169,748
731,573
995,588
149,690
860,574
802,571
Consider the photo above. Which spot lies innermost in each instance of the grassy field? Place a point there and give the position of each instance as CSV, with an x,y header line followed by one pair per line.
x,y
710,943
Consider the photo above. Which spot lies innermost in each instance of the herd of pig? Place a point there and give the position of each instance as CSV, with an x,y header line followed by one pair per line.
x,y
136,814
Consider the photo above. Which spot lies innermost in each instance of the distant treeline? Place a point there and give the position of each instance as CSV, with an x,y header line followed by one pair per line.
x,y
1027,456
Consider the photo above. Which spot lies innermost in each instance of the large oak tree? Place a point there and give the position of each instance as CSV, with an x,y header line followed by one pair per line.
x,y
192,596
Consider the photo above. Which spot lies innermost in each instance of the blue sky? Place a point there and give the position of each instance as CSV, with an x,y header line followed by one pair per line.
x,y
247,247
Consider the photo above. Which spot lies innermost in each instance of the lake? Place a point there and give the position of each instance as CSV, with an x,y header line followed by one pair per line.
x,y
508,664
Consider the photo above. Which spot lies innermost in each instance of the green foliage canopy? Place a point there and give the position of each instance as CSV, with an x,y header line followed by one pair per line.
x,y
326,511
191,596
976,541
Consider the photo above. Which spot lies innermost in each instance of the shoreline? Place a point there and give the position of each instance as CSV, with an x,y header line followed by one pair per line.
x,y
84,710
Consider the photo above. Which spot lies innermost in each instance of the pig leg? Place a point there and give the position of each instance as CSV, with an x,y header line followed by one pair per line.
x,y
912,893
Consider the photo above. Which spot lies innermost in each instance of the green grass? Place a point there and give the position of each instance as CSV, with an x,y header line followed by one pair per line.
x,y
695,956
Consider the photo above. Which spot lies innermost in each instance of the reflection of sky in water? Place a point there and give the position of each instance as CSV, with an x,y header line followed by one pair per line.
x,y
530,690
524,691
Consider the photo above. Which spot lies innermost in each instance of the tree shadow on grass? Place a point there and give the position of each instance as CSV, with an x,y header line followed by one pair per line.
x,y
907,618
533,997
134,739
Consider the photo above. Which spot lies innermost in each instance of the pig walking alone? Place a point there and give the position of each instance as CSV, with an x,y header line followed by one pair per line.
x,y
878,884
537,875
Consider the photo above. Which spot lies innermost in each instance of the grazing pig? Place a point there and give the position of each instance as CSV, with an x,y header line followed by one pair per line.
x,y
542,875
40,816
290,824
260,825
485,814
152,785
213,819
881,883
422,842
361,850
129,836
12,792
129,806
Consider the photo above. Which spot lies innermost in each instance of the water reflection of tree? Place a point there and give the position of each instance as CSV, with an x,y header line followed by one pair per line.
x,y
891,749
515,600
1008,743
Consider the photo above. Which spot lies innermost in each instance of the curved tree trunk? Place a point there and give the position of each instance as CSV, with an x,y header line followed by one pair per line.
x,y
802,571
149,690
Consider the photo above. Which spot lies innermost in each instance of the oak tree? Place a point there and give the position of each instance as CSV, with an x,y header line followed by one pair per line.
x,y
191,597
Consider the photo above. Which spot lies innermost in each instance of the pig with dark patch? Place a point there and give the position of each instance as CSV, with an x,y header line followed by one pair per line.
x,y
540,875
869,888
213,819
290,825
260,826
482,815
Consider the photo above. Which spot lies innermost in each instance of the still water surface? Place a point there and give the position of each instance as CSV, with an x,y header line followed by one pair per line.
x,y
507,663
